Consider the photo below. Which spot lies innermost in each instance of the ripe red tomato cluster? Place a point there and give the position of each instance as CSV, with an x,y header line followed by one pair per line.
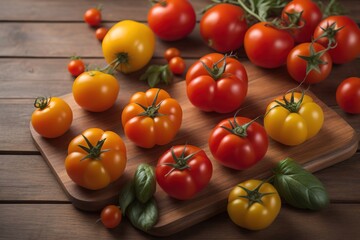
x,y
93,17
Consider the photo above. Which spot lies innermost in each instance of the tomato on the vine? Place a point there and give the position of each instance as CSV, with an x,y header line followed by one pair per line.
x,y
76,66
348,95
238,142
92,17
310,60
177,65
95,91
217,82
100,33
171,53
172,19
266,46
151,118
52,118
223,27
111,216
183,171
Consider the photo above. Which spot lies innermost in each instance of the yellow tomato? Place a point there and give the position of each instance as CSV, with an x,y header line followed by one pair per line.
x,y
253,204
128,46
293,119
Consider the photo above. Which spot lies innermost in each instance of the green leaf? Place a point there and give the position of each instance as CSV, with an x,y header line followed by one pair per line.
x,y
299,187
154,79
143,215
144,182
127,196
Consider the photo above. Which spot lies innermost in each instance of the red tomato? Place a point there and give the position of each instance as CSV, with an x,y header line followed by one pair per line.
x,y
183,171
100,33
221,88
111,216
171,53
344,33
310,18
76,66
93,17
177,65
267,46
172,19
223,27
238,143
348,95
297,66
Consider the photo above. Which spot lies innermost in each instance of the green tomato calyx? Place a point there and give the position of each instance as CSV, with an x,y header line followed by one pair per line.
x,y
254,196
291,105
215,71
42,102
93,152
152,110
237,129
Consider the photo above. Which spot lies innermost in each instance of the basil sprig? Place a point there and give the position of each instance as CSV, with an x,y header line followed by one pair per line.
x,y
298,187
144,182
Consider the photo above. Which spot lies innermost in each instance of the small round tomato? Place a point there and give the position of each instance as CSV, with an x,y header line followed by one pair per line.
x,y
95,91
128,46
344,36
100,33
76,66
171,53
52,118
111,216
267,46
177,65
92,17
238,142
223,27
96,158
253,204
309,60
348,95
172,19
151,118
183,171
292,119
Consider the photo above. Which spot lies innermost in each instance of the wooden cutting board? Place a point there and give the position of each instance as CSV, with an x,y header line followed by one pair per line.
x,y
335,142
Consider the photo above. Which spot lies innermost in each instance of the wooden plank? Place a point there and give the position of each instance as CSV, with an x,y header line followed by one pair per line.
x,y
49,221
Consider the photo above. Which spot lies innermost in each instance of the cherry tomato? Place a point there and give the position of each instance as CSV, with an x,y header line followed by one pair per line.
x,y
319,61
52,118
92,17
183,171
238,143
171,53
310,17
221,87
172,19
177,65
223,27
100,33
344,34
348,95
76,66
267,46
95,91
111,216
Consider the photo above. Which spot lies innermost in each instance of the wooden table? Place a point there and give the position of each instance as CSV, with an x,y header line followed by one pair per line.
x,y
36,40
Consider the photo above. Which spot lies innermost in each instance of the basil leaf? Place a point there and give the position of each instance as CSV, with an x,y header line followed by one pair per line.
x,y
127,196
144,182
299,187
143,215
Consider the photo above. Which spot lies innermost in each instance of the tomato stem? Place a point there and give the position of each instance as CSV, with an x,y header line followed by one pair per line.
x,y
237,129
254,196
94,152
215,71
291,105
42,102
152,110
181,161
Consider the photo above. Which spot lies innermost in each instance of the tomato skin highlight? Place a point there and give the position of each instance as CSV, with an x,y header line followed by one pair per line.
x,y
348,95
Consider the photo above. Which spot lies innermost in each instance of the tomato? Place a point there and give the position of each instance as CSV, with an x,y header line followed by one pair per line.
x,y
95,158
177,65
216,83
267,46
76,66
95,91
92,17
348,95
292,119
238,142
183,171
171,53
52,118
317,63
311,16
111,216
100,33
223,27
151,118
172,19
344,34
253,204
128,46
